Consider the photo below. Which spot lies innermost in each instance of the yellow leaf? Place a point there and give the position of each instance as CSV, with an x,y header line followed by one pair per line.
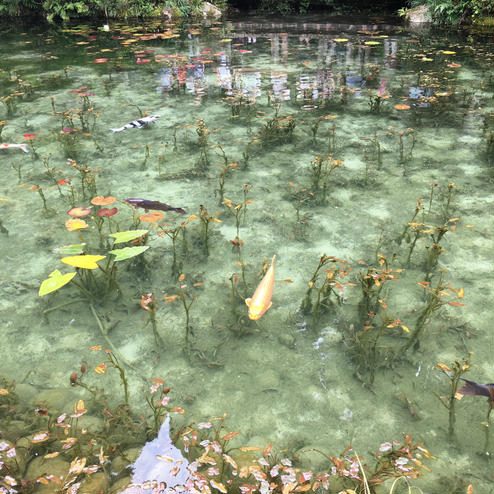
x,y
54,281
461,293
3,391
219,486
405,328
289,487
75,224
443,367
249,448
86,261
51,455
100,369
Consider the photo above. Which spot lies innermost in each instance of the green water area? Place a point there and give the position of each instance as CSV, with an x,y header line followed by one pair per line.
x,y
149,175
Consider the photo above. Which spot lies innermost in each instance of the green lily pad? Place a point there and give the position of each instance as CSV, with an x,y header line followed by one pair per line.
x,y
127,236
128,252
55,281
70,249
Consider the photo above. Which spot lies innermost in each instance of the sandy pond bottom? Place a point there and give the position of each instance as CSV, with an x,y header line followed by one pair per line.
x,y
288,379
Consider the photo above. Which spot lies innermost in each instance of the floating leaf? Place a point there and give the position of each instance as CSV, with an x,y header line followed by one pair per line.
x,y
75,224
100,368
219,486
372,43
102,201
340,40
87,261
127,236
73,249
40,437
230,435
52,455
128,252
55,281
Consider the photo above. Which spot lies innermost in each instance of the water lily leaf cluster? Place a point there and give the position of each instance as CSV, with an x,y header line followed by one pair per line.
x,y
79,259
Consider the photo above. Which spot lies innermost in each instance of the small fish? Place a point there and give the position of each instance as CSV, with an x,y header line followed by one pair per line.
x,y
261,300
137,124
153,205
472,388
23,146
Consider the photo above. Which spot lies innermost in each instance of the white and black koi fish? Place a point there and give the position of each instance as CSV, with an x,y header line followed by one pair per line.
x,y
23,146
137,124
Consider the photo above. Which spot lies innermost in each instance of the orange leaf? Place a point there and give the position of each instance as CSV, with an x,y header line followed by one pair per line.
x,y
267,450
181,277
95,348
100,369
456,304
52,455
230,435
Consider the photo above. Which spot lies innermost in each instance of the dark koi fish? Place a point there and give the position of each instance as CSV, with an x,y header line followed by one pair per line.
x,y
153,205
471,388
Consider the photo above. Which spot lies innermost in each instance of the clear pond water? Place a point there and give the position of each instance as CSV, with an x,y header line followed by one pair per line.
x,y
358,139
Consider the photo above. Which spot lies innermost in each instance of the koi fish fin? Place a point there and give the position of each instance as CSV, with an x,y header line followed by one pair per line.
x,y
115,130
248,301
269,306
24,148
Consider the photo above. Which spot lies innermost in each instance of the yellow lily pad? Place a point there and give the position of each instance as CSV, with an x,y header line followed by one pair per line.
x,y
340,40
87,261
55,281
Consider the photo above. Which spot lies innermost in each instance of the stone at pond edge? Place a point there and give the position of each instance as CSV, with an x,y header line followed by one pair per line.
x,y
418,15
209,10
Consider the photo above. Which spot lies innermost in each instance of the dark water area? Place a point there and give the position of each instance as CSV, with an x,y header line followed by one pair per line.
x,y
357,151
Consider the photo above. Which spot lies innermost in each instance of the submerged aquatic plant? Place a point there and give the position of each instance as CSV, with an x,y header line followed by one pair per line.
x,y
437,297
278,128
316,125
372,283
46,210
454,373
203,136
321,169
225,171
205,219
331,284
148,303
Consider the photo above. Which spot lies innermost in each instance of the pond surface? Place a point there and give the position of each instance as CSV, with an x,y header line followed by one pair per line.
x,y
354,144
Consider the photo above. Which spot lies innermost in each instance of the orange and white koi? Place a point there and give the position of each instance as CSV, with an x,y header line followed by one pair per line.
x,y
261,300
23,146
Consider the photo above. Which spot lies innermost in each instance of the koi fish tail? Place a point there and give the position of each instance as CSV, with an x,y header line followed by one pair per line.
x,y
24,148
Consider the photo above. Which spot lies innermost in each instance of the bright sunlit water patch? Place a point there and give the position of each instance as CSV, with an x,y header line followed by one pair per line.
x,y
357,140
